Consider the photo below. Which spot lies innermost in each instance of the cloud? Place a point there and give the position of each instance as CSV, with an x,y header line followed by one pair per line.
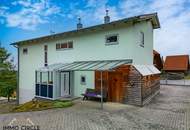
x,y
174,17
30,14
93,12
23,20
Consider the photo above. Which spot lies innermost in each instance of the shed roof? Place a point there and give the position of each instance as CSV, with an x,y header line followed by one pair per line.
x,y
176,63
86,65
147,69
152,17
155,52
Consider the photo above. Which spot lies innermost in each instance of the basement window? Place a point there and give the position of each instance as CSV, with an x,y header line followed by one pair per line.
x,y
25,50
112,39
83,80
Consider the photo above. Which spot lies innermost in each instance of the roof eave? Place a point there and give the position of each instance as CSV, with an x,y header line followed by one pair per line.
x,y
153,17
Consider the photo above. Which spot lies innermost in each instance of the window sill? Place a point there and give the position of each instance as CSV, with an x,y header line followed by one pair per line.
x,y
64,49
112,43
142,45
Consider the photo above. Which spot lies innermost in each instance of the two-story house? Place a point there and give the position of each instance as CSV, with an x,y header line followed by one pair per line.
x,y
66,64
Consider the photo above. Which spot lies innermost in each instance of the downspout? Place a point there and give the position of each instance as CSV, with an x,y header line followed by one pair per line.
x,y
17,88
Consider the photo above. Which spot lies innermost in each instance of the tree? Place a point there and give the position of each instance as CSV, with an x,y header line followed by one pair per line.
x,y
7,74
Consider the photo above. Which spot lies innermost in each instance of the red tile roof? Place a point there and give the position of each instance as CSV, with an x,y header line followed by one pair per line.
x,y
176,63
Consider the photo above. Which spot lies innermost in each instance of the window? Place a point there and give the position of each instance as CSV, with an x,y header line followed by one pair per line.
x,y
44,77
65,45
142,39
58,46
70,44
83,80
45,55
25,51
50,77
112,39
38,79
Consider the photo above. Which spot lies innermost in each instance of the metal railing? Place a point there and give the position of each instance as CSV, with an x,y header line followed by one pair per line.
x,y
174,79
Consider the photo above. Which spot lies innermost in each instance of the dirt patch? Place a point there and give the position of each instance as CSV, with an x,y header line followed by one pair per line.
x,y
6,107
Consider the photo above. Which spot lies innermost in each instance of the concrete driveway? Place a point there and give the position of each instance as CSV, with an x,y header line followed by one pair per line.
x,y
168,111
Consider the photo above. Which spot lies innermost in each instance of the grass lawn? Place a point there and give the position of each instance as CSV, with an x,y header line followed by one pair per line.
x,y
33,106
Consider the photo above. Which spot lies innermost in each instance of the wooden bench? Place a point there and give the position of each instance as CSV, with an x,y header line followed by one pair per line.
x,y
94,94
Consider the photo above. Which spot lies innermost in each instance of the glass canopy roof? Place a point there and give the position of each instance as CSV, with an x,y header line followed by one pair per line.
x,y
86,65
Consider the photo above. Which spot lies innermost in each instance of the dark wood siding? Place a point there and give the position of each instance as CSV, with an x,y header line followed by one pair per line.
x,y
114,82
125,84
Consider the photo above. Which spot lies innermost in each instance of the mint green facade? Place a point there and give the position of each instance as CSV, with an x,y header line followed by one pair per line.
x,y
86,47
80,88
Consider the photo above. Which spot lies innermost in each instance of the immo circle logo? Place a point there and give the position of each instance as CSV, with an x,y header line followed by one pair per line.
x,y
21,124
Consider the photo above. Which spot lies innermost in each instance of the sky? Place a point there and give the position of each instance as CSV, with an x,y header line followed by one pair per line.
x,y
26,19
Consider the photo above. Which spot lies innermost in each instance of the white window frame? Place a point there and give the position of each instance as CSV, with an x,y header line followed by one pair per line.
x,y
81,82
61,49
111,43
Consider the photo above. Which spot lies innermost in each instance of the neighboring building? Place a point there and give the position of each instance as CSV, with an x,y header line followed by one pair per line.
x,y
176,63
157,60
65,64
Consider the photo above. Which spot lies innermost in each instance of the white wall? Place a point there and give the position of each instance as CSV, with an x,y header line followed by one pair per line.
x,y
90,81
89,46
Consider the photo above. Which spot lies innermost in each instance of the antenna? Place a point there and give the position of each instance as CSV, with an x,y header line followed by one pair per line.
x,y
79,19
79,24
107,11
107,17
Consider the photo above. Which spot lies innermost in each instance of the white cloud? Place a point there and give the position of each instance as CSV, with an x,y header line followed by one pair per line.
x,y
174,15
172,38
96,3
24,21
31,14
94,12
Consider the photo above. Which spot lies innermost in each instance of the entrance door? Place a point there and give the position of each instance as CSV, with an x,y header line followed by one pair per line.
x,y
115,90
65,84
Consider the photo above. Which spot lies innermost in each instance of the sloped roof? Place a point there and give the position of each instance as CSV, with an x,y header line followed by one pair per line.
x,y
147,69
86,65
176,63
155,52
152,17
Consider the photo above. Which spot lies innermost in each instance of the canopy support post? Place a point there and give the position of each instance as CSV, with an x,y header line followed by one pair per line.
x,y
101,92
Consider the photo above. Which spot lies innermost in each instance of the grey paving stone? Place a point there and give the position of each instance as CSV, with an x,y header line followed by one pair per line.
x,y
168,111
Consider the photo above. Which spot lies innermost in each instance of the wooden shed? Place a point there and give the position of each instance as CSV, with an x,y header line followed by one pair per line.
x,y
130,84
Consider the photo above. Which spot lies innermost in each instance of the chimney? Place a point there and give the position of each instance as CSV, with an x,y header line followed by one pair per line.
x,y
107,18
79,24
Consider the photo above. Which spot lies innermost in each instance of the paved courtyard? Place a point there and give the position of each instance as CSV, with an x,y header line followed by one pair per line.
x,y
168,111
